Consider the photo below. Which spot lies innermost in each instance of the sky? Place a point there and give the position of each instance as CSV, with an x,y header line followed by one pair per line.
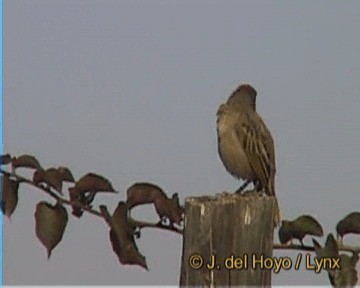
x,y
130,90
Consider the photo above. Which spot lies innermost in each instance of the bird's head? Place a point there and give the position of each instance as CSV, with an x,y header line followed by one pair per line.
x,y
244,95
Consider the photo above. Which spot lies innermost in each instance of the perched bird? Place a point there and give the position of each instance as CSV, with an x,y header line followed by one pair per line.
x,y
350,224
245,144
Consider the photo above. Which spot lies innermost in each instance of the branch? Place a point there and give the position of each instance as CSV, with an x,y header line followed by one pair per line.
x,y
144,224
52,194
342,247
103,212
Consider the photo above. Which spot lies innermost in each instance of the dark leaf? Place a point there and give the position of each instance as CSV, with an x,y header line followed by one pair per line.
x,y
169,209
76,197
26,161
346,276
299,228
329,251
285,232
142,193
38,177
127,255
9,195
5,159
122,238
49,176
50,223
93,183
65,174
54,179
350,224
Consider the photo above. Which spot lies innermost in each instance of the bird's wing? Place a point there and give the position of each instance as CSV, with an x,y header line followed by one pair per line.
x,y
268,143
258,144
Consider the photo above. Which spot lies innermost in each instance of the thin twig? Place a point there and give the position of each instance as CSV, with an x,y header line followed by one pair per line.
x,y
103,213
144,224
341,247
47,190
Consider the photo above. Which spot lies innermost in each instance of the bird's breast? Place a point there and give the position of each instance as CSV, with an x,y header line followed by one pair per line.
x,y
233,156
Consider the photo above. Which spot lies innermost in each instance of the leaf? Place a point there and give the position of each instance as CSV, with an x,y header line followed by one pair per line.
x,y
9,195
38,176
76,196
26,161
5,159
93,183
85,190
346,276
299,228
142,193
65,174
350,224
128,255
122,238
330,250
285,232
50,224
50,176
54,179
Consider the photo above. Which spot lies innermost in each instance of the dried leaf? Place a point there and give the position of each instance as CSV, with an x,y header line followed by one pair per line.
x,y
142,193
93,183
26,161
122,238
66,174
9,196
5,159
50,224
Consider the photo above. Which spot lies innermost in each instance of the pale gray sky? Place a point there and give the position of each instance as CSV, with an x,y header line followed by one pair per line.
x,y
130,89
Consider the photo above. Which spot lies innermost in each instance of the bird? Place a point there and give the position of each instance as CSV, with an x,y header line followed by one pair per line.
x,y
245,144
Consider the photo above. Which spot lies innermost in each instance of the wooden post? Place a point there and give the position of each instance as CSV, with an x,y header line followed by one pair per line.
x,y
237,230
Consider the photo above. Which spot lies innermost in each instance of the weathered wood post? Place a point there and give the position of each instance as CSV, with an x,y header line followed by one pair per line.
x,y
233,231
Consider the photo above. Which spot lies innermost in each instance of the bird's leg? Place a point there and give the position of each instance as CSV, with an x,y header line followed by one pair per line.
x,y
242,187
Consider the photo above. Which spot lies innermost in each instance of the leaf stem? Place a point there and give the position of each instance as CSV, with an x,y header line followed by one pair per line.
x,y
102,212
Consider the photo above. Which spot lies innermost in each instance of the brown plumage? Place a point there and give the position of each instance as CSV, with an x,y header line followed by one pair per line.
x,y
245,144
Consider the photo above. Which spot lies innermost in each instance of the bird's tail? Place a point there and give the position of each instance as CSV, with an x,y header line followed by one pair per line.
x,y
271,192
